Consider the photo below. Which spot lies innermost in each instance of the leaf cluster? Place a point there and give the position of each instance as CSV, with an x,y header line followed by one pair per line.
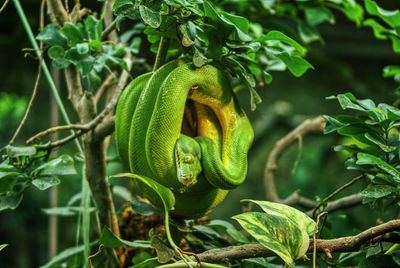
x,y
375,148
200,31
81,45
26,166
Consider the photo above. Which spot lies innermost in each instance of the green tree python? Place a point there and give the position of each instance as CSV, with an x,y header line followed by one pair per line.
x,y
184,128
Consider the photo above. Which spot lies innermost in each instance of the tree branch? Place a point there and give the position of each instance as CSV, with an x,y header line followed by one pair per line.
x,y
344,244
316,124
57,13
342,203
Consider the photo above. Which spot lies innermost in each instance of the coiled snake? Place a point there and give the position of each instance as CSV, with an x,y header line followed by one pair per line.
x,y
184,128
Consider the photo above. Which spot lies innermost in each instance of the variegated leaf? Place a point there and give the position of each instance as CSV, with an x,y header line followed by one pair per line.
x,y
299,218
277,233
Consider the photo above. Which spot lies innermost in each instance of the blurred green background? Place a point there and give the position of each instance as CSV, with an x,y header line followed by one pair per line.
x,y
350,59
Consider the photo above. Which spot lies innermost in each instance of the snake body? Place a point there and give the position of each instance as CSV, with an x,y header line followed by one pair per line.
x,y
183,127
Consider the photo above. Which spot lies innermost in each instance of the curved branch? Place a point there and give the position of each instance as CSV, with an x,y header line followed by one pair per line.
x,y
316,124
344,244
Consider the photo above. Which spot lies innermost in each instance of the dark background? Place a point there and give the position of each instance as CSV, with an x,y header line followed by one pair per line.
x,y
350,59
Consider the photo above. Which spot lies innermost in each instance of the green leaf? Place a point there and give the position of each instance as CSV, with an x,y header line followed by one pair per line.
x,y
126,8
110,240
94,28
84,62
150,17
220,225
155,191
43,183
368,159
10,201
122,192
240,22
66,211
148,263
296,65
318,15
83,48
164,252
277,233
240,26
143,208
391,70
257,262
277,35
65,254
391,17
95,44
72,33
20,151
56,53
383,33
303,221
238,236
346,102
135,45
378,191
62,165
384,147
353,11
308,33
380,32
50,35
332,124
2,246
199,59
7,181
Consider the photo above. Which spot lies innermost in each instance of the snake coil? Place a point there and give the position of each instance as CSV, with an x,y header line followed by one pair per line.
x,y
183,127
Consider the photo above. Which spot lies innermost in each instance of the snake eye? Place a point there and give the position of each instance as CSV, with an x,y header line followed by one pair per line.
x,y
187,159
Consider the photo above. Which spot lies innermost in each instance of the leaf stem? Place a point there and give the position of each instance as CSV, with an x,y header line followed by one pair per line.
x,y
185,258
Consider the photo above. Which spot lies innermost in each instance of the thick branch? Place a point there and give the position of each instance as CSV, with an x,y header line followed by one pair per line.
x,y
344,244
316,124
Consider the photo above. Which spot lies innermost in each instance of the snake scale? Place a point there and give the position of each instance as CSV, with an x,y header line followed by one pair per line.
x,y
183,127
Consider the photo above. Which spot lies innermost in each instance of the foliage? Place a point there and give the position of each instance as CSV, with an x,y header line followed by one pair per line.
x,y
282,229
375,152
276,38
26,166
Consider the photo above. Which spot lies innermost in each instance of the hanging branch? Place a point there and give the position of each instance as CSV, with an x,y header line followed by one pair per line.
x,y
316,124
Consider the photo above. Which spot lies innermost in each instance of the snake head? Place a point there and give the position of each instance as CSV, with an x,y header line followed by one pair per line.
x,y
188,160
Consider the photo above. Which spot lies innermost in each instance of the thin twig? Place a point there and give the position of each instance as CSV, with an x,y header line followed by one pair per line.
x,y
4,5
109,23
109,29
341,203
315,240
161,53
102,88
35,87
94,255
183,257
336,192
